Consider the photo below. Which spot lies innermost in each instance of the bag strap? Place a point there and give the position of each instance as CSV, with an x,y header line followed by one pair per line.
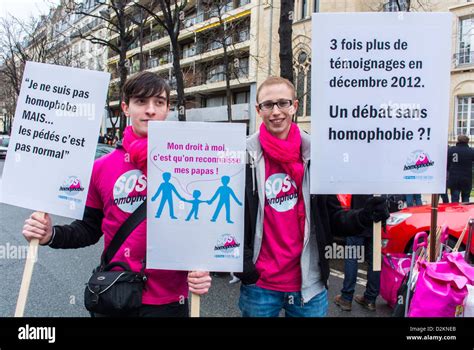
x,y
123,232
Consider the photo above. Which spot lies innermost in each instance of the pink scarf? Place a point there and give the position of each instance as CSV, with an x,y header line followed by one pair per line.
x,y
136,147
288,154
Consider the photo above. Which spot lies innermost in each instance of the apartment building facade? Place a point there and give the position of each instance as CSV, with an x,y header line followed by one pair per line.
x,y
84,22
255,46
461,99
253,49
202,58
462,71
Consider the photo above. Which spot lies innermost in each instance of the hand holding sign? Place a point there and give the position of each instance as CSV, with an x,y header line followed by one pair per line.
x,y
55,133
379,99
375,210
382,104
195,176
38,226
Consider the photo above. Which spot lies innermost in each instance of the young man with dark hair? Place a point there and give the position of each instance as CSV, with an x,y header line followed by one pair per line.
x,y
146,97
286,228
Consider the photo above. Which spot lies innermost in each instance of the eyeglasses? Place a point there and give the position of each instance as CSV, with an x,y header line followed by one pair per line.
x,y
268,105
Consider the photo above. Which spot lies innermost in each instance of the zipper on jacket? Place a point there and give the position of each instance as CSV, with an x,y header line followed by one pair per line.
x,y
253,170
305,168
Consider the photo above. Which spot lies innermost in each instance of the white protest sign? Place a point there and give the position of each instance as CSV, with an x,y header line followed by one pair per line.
x,y
195,201
53,139
380,92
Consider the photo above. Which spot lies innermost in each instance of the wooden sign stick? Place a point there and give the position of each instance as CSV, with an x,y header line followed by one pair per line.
x,y
27,274
377,245
434,223
195,304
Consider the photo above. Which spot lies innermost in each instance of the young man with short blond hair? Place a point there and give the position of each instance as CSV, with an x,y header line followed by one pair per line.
x,y
286,228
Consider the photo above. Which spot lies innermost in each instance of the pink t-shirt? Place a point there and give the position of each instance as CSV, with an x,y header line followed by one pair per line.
x,y
118,188
279,259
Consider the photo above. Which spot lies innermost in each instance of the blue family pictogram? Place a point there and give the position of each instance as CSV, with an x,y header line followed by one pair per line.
x,y
224,193
166,190
195,202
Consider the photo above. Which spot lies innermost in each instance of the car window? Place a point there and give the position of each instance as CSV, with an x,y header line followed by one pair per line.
x,y
102,150
4,141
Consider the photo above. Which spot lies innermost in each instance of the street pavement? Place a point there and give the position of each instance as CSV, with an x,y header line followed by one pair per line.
x,y
59,277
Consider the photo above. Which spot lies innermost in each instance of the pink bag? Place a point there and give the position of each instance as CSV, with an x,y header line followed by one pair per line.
x,y
441,287
394,269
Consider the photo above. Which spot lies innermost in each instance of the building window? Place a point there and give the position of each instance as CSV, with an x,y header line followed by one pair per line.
x,y
189,50
466,39
393,5
242,97
215,74
153,62
243,3
316,6
465,116
304,9
215,45
243,35
300,91
241,67
303,84
308,91
216,101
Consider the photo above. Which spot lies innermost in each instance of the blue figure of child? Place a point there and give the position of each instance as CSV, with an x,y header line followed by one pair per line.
x,y
195,202
166,189
224,192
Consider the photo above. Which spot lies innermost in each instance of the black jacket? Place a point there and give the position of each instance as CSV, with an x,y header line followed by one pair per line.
x,y
460,158
80,233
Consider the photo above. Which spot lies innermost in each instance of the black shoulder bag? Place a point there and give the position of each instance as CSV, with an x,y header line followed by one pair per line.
x,y
118,292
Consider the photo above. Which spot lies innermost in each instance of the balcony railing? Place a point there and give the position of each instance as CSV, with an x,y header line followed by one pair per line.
x,y
153,62
95,25
213,114
464,58
189,52
190,21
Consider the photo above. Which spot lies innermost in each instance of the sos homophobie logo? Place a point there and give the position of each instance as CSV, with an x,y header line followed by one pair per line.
x,y
227,247
281,192
130,190
71,186
418,162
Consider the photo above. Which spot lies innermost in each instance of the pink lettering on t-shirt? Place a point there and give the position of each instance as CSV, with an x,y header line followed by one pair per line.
x,y
279,258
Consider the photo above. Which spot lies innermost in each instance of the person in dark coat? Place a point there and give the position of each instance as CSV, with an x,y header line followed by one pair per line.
x,y
460,158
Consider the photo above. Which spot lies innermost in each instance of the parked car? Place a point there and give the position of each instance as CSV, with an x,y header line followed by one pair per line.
x,y
402,226
4,140
103,149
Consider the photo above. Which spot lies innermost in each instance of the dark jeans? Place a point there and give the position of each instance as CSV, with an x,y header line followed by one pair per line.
x,y
444,197
175,309
413,199
350,271
255,301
